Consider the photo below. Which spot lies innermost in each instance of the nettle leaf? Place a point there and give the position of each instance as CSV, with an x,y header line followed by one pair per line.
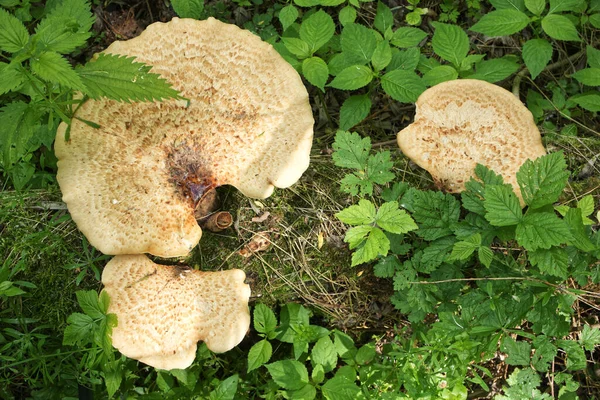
x,y
439,74
53,67
589,337
287,16
495,70
358,43
354,110
382,55
317,29
405,59
121,78
588,76
66,27
508,4
323,353
315,71
265,321
18,121
403,86
450,42
188,8
12,77
593,56
565,5
259,354
560,27
501,23
405,37
352,78
13,34
384,19
288,374
340,388
542,231
537,53
362,213
226,389
436,213
543,180
297,47
391,219
588,101
502,206
377,244
350,150
535,6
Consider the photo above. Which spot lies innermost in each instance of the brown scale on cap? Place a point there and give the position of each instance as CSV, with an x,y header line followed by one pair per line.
x,y
132,185
461,123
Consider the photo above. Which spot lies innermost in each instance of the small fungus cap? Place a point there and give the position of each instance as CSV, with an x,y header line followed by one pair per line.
x,y
163,311
131,185
462,123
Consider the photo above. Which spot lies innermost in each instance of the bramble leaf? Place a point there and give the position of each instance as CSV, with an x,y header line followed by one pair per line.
x,y
553,261
435,212
462,250
355,236
386,267
519,353
80,326
88,301
589,337
542,231
502,205
543,180
13,34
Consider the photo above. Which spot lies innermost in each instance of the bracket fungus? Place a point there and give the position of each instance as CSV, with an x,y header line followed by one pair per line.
x,y
132,185
461,123
163,311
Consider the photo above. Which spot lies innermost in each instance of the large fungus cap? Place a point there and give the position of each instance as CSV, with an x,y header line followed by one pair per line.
x,y
461,123
163,311
131,185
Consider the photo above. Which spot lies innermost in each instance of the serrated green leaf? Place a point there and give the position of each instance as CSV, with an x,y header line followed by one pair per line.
x,y
406,36
386,267
340,388
265,321
53,67
358,43
226,389
435,213
450,42
377,244
288,374
66,27
565,5
354,110
297,47
508,4
501,23
357,235
382,55
363,213
553,261
259,354
12,77
350,150
593,56
324,354
316,30
587,206
543,180
545,351
537,53
315,71
391,219
18,121
404,59
576,360
495,70
462,250
588,76
13,34
519,353
80,326
287,16
595,20
379,168
436,253
560,27
579,237
542,231
113,376
587,101
403,86
384,19
589,337
121,78
352,78
536,7
485,255
502,205
88,301
347,15
188,8
439,74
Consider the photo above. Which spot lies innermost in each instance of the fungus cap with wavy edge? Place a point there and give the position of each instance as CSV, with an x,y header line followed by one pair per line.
x,y
462,123
131,185
163,311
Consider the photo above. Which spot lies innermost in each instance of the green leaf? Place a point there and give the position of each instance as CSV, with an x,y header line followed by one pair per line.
x,y
450,42
439,74
406,36
495,70
537,53
323,353
377,244
436,253
365,354
536,7
588,101
357,235
113,376
362,213
340,388
358,43
316,30
297,47
122,79
545,351
352,78
265,321
12,77
576,360
462,250
404,59
386,267
436,213
188,8
347,15
485,255
403,86
501,23
350,150
315,71
66,27
53,67
587,206
588,76
288,374
13,34
384,19
565,5
560,27
88,301
589,338
18,121
595,20
378,168
382,55
394,220
543,180
287,16
553,261
579,237
226,389
519,353
259,354
306,392
508,4
80,327
593,56
354,110
542,231
502,205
